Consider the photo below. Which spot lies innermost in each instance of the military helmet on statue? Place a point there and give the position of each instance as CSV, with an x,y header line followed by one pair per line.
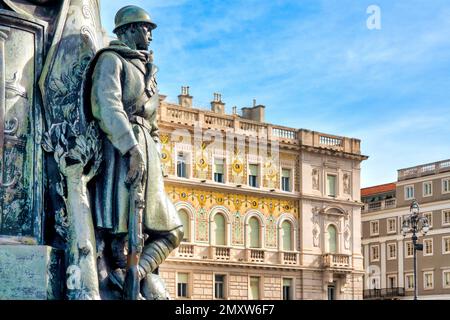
x,y
132,14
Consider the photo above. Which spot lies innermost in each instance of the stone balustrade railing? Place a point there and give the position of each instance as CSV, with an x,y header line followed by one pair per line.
x,y
255,255
380,205
331,260
186,250
424,170
289,258
171,113
220,253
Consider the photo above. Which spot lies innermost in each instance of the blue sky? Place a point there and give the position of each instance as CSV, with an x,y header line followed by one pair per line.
x,y
314,64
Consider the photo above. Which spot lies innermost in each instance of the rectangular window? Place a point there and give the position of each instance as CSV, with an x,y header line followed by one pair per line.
x,y
287,289
219,286
409,249
392,281
374,228
253,175
409,282
181,165
446,279
428,247
254,288
429,216
375,253
392,225
182,285
446,245
331,292
428,280
286,180
427,189
409,192
446,185
445,217
331,185
219,171
392,251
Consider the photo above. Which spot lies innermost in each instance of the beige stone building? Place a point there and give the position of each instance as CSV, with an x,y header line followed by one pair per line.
x,y
388,256
269,212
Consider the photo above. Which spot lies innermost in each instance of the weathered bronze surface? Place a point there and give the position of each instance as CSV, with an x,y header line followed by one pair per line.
x,y
22,41
99,183
124,101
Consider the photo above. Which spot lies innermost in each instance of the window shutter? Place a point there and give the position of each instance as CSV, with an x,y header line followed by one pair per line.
x,y
254,233
218,166
254,288
331,185
332,239
287,282
186,225
253,170
286,173
219,223
182,278
286,229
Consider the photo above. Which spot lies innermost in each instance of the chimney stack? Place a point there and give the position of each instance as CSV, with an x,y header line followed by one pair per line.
x,y
184,99
217,106
255,113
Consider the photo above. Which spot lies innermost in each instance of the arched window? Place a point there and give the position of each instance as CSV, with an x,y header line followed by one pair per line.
x,y
286,235
254,233
332,240
219,230
184,216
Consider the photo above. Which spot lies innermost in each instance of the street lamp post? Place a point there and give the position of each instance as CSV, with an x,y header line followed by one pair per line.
x,y
415,223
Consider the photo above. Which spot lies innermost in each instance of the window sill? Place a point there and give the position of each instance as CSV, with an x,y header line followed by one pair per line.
x,y
389,259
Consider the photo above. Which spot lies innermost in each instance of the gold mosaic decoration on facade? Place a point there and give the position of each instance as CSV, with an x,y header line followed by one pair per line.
x,y
270,173
238,205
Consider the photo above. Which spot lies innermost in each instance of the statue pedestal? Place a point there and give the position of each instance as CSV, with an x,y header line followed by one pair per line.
x,y
29,273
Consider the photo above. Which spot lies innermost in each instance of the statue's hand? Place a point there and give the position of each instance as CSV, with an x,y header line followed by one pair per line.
x,y
137,168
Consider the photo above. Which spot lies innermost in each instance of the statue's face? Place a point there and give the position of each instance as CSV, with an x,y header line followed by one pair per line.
x,y
141,35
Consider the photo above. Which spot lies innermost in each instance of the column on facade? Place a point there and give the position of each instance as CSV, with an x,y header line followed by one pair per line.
x,y
383,264
401,278
356,244
366,264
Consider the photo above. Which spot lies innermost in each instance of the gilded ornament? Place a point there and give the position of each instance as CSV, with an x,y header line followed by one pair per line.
x,y
164,139
237,166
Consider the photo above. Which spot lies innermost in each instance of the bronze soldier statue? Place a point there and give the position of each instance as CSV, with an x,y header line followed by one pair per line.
x,y
124,100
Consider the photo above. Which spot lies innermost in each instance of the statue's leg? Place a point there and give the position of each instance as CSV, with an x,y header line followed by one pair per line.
x,y
157,249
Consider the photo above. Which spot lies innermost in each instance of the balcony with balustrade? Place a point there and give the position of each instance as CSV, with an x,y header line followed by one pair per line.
x,y
336,261
380,205
288,258
255,255
383,294
185,250
190,251
221,253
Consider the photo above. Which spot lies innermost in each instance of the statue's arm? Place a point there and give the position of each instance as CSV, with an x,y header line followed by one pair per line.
x,y
106,101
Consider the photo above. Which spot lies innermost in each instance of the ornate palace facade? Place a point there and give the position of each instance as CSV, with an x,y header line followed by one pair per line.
x,y
269,212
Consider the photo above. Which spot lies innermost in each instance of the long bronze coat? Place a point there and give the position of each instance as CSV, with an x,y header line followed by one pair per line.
x,y
119,77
